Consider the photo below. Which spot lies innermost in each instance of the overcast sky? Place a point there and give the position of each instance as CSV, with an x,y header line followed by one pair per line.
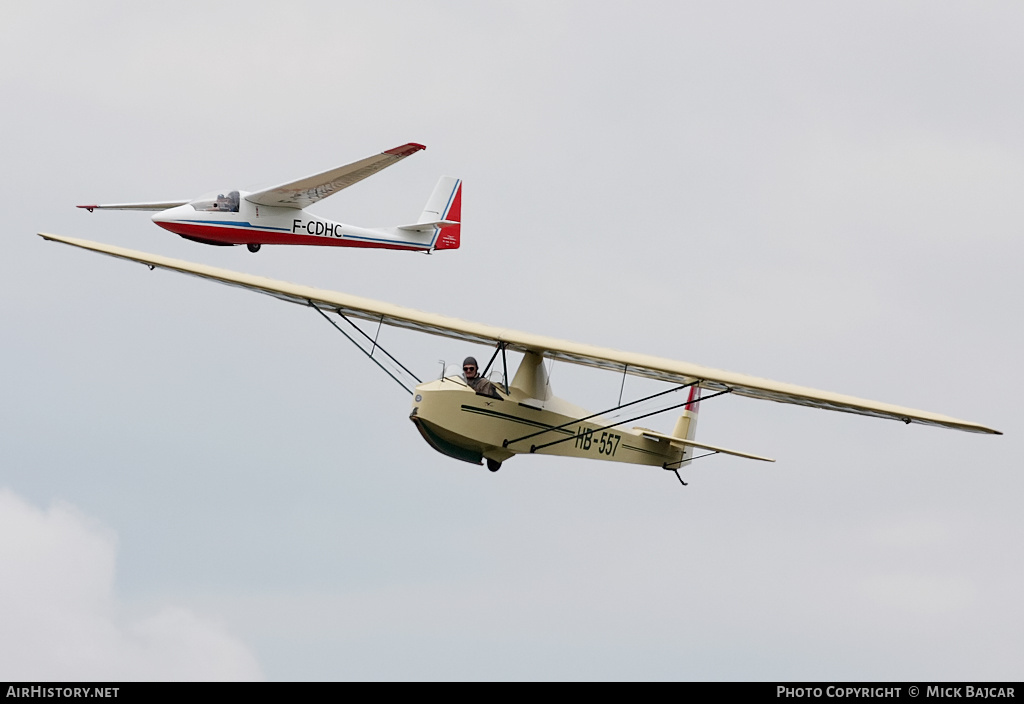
x,y
199,482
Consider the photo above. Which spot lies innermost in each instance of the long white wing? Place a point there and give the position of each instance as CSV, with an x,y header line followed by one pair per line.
x,y
154,205
576,353
306,191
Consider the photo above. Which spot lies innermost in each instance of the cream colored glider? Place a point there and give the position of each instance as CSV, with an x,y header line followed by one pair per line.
x,y
523,416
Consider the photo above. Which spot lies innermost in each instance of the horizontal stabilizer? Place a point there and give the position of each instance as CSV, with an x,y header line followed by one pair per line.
x,y
155,205
426,226
700,445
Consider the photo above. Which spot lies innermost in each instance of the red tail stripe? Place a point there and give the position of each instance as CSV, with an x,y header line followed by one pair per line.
x,y
693,402
455,209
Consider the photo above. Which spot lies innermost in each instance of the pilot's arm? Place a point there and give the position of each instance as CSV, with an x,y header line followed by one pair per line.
x,y
484,387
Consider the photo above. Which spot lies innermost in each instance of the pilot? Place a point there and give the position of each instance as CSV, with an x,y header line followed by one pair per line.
x,y
476,382
228,203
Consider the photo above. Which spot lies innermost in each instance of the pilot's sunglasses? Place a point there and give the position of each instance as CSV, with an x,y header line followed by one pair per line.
x,y
469,369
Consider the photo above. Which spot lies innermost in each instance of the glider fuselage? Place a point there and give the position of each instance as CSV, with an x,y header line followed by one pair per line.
x,y
460,423
262,224
277,215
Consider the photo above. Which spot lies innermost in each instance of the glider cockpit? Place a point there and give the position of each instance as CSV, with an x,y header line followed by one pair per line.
x,y
217,203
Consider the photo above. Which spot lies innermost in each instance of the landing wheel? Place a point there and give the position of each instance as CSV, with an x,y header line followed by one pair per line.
x,y
493,465
253,247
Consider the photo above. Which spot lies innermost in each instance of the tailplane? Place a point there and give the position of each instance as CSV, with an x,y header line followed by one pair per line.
x,y
684,432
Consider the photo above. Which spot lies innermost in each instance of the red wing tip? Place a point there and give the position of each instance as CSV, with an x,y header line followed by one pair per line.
x,y
405,149
90,208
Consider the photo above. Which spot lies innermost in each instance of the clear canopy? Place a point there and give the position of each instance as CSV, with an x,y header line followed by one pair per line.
x,y
217,202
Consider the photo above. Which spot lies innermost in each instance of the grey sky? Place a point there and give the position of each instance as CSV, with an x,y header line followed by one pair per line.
x,y
827,194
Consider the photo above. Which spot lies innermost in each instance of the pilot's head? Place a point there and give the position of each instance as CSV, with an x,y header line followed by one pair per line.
x,y
469,367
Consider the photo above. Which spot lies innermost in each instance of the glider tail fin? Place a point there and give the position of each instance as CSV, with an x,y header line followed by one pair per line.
x,y
686,426
445,209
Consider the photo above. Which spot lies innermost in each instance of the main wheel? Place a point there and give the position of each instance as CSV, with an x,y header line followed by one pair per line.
x,y
493,465
253,247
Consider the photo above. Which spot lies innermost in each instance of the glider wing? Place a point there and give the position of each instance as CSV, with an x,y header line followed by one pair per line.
x,y
155,205
587,355
306,191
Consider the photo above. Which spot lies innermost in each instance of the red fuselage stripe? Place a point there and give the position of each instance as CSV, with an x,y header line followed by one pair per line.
x,y
241,235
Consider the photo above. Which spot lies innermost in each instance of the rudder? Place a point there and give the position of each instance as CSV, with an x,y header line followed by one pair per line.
x,y
686,426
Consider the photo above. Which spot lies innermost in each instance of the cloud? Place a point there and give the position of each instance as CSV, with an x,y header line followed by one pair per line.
x,y
62,621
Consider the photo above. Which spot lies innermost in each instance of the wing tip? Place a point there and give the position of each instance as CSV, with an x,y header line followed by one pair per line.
x,y
65,240
90,208
405,149
969,427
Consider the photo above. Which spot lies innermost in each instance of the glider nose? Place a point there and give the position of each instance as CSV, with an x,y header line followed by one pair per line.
x,y
165,218
161,216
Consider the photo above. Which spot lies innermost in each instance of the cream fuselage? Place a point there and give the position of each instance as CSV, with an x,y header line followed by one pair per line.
x,y
458,422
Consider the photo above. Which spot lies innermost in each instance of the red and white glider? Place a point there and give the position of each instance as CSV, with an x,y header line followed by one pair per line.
x,y
277,215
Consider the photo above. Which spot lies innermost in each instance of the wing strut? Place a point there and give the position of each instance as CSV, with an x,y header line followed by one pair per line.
x,y
375,347
506,443
491,361
504,366
534,448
